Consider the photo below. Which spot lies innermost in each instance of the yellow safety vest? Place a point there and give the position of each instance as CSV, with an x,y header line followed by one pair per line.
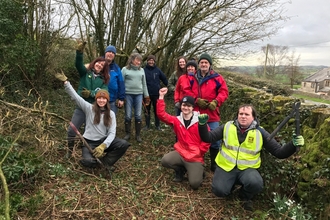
x,y
244,155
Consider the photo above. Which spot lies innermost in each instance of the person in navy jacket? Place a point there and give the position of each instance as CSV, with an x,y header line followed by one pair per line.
x,y
153,77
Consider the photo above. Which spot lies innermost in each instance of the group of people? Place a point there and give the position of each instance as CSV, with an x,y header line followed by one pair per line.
x,y
199,91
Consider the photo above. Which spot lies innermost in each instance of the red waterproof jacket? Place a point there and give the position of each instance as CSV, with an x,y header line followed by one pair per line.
x,y
183,88
212,86
189,144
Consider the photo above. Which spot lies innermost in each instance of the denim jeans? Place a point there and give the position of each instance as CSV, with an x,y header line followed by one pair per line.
x,y
133,102
214,125
114,107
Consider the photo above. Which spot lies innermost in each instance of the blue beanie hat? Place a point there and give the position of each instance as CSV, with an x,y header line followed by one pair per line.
x,y
110,49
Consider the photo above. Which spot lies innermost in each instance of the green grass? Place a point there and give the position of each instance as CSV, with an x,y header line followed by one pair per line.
x,y
305,97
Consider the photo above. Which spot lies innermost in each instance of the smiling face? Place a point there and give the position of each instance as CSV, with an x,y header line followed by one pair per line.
x,y
109,56
101,101
98,67
186,108
191,69
245,117
151,62
204,66
136,62
182,63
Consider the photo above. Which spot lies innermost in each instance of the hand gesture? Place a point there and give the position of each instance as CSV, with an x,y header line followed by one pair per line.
x,y
163,91
85,93
202,103
61,76
81,47
298,141
203,118
99,150
213,105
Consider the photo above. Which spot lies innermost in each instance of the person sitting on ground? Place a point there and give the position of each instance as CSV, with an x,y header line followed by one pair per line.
x,y
100,130
189,150
239,157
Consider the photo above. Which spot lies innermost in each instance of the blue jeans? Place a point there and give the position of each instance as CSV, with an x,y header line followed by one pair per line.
x,y
214,125
133,101
114,107
250,179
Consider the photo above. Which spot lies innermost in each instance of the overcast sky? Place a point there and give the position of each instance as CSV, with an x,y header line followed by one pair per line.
x,y
307,32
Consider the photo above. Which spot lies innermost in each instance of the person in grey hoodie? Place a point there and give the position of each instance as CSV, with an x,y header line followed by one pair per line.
x,y
100,130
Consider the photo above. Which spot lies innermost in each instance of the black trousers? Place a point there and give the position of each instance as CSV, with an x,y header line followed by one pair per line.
x,y
114,152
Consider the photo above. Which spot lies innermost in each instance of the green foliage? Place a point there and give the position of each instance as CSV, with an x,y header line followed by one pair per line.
x,y
20,163
285,208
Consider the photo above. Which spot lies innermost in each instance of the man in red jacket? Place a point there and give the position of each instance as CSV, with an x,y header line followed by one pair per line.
x,y
189,150
211,91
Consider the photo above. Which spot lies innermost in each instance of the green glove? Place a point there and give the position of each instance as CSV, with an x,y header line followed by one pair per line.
x,y
61,76
85,93
298,141
202,103
203,118
81,47
99,150
213,105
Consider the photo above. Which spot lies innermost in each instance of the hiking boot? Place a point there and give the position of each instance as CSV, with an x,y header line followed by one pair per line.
x,y
248,205
158,128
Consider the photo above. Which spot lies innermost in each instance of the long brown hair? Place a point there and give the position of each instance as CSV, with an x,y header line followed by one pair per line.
x,y
106,117
104,72
179,70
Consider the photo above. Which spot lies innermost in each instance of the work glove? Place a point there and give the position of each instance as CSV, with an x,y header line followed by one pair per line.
x,y
147,100
203,118
81,47
85,93
177,105
99,150
60,76
213,105
202,103
298,141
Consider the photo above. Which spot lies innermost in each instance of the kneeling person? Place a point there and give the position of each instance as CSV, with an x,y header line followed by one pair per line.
x,y
100,130
188,155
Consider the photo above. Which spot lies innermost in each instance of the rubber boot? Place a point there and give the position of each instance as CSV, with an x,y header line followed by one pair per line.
x,y
138,131
127,130
213,155
147,127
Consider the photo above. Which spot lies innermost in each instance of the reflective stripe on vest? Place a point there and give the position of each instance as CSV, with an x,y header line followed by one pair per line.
x,y
244,155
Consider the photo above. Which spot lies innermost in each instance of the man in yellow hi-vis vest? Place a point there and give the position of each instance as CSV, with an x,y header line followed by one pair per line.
x,y
239,156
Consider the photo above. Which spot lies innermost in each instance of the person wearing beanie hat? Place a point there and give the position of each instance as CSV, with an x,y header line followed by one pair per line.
x,y
116,85
210,91
92,77
102,93
110,48
191,63
189,149
100,129
183,87
154,76
151,57
205,56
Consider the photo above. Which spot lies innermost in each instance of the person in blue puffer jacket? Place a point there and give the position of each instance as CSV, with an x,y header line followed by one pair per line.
x,y
153,77
116,86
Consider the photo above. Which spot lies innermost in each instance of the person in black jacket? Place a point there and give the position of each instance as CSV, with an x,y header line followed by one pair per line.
x,y
239,156
153,77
